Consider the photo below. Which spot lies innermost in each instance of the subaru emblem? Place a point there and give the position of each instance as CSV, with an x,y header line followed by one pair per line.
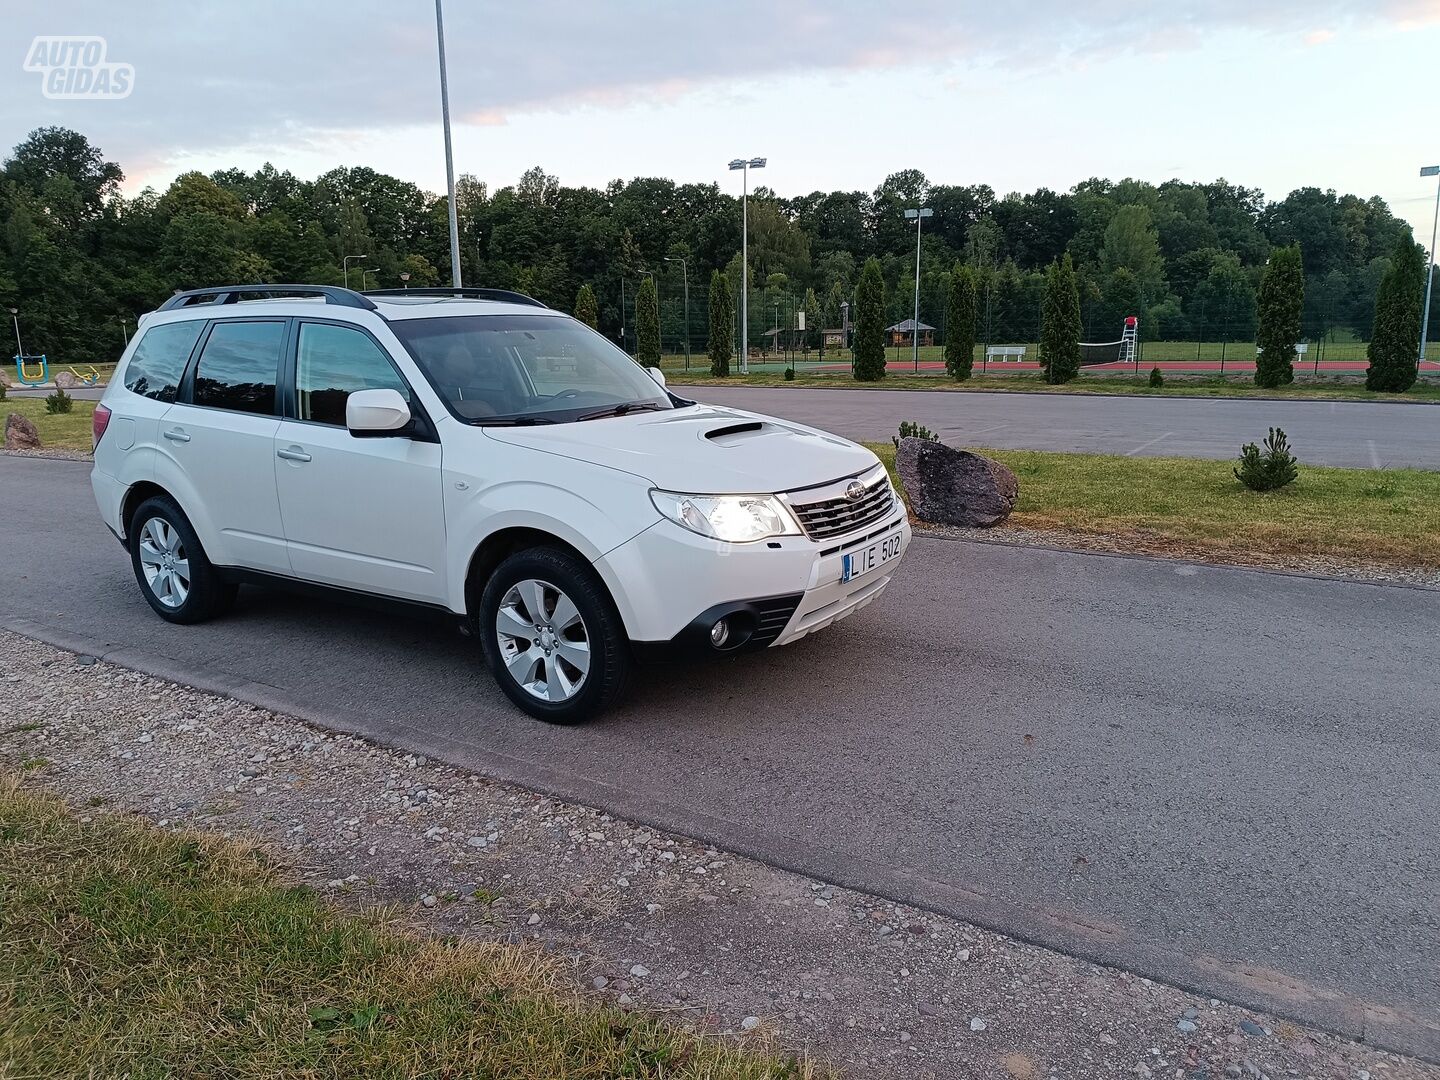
x,y
854,490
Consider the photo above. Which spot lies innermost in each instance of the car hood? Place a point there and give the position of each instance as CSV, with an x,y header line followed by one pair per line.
x,y
701,449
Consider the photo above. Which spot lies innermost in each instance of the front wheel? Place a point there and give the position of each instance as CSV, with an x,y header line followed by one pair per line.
x,y
552,636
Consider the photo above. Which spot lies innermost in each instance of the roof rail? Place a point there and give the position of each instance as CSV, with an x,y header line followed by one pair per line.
x,y
505,295
229,294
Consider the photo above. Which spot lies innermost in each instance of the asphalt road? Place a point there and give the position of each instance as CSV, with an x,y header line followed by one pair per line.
x,y
1221,778
1367,435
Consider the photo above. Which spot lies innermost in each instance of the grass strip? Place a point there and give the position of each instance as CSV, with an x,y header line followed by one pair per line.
x,y
1381,515
126,950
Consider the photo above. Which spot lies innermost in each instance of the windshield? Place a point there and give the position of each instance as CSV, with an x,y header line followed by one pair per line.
x,y
526,369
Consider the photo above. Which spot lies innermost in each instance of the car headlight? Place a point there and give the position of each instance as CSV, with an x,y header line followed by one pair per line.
x,y
735,519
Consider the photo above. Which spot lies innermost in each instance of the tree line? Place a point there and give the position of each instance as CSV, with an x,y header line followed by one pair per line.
x,y
79,260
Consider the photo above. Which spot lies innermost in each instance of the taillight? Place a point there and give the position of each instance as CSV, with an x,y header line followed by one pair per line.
x,y
98,424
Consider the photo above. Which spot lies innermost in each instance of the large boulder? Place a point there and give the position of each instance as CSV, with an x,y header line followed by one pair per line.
x,y
955,487
20,433
66,380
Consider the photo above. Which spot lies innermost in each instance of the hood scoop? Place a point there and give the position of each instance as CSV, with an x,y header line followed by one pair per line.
x,y
731,434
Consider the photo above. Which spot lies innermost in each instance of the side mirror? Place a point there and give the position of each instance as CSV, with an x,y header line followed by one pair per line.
x,y
657,375
376,412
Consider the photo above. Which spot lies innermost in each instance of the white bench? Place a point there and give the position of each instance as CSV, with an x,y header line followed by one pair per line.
x,y
1004,352
1301,348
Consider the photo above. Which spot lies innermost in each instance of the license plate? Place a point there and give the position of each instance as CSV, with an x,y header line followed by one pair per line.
x,y
859,563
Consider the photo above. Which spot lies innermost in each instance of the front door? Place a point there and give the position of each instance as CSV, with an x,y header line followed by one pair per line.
x,y
361,513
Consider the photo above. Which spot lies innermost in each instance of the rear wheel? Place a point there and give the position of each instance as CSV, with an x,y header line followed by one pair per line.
x,y
552,636
170,566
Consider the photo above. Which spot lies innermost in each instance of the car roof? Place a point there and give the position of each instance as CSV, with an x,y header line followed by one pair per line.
x,y
393,308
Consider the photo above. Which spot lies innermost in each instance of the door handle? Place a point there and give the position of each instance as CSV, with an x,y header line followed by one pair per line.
x,y
292,453
176,435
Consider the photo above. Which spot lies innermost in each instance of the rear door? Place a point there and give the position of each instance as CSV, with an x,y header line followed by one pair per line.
x,y
220,438
362,513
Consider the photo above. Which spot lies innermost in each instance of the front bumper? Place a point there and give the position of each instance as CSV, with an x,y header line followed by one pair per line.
x,y
672,585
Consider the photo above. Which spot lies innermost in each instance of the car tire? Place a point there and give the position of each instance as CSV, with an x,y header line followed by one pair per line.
x,y
543,615
174,574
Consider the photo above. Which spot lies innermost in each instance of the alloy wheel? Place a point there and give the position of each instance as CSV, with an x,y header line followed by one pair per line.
x,y
164,562
544,643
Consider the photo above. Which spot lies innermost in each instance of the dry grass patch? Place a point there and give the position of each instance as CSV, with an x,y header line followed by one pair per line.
x,y
128,950
1383,515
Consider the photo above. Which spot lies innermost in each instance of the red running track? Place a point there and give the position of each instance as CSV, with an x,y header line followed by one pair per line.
x,y
1120,368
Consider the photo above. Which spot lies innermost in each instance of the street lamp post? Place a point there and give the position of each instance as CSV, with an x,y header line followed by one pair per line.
x,y
1430,170
917,216
376,274
745,165
449,153
15,314
345,265
684,262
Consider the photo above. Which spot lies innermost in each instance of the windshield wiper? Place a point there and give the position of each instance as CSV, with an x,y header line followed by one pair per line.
x,y
621,410
515,421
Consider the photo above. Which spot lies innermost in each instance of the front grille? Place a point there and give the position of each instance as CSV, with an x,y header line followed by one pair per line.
x,y
771,617
837,517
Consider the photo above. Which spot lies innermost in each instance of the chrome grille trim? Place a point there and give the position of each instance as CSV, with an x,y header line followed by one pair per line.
x,y
834,515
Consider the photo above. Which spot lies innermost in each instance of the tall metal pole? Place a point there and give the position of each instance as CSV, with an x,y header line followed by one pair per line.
x,y
1431,170
15,314
915,329
745,269
449,154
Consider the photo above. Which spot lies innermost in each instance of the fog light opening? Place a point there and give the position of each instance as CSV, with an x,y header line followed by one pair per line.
x,y
720,633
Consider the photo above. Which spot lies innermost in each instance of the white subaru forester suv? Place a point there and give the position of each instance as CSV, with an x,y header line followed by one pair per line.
x,y
476,452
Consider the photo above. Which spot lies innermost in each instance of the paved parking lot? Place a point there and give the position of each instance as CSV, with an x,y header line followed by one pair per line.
x,y
1219,777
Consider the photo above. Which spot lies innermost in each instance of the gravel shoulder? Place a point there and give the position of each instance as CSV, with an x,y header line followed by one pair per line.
x,y
646,919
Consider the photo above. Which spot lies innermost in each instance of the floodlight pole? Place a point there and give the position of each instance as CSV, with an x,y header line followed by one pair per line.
x,y
449,153
345,266
684,262
919,215
745,165
1429,170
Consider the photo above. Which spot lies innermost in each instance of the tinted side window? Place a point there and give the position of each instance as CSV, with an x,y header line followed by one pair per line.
x,y
238,365
332,362
159,359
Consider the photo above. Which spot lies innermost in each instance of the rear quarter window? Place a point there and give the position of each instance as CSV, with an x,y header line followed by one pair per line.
x,y
159,359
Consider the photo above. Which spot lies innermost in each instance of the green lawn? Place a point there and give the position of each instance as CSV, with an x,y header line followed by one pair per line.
x,y
126,950
1390,515
62,431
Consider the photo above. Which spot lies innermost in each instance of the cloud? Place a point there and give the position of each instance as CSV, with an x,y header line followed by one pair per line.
x,y
271,73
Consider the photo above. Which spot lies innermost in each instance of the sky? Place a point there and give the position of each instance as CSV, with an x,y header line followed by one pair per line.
x,y
837,95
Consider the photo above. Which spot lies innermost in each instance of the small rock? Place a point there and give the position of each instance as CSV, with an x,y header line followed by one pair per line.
x,y
475,841
625,1001
977,1024
750,1023
534,919
905,1036
639,971
1186,1026
1249,1027
428,900
1191,1013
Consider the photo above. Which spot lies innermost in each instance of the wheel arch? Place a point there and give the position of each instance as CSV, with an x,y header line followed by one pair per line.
x,y
499,546
137,493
